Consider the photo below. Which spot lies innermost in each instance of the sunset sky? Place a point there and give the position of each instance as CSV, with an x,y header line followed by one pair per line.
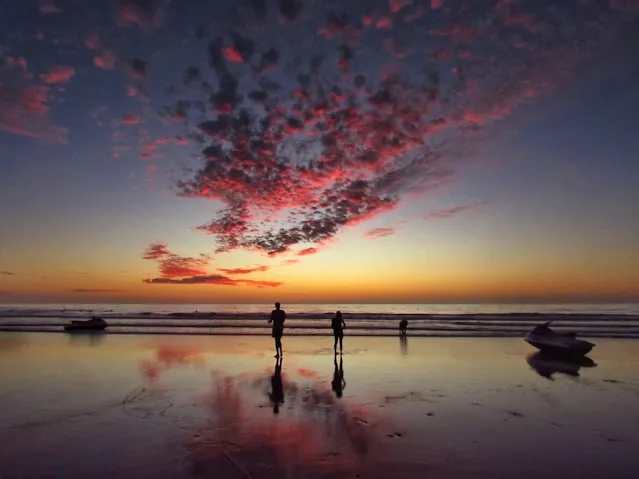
x,y
319,151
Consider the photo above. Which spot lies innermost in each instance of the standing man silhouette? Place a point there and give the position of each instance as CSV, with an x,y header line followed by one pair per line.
x,y
278,316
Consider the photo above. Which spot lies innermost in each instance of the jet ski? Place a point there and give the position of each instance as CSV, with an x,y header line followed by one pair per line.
x,y
546,364
545,339
93,324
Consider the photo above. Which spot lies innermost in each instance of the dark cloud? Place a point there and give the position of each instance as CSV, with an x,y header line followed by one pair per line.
x,y
93,290
290,10
137,68
214,279
7,273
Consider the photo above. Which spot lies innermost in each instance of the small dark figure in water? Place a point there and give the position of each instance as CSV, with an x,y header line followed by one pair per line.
x,y
278,316
338,325
338,384
277,389
403,324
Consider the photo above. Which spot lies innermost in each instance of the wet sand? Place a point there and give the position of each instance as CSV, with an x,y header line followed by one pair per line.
x,y
195,407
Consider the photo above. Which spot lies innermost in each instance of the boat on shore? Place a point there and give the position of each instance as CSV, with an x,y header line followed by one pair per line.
x,y
93,324
558,343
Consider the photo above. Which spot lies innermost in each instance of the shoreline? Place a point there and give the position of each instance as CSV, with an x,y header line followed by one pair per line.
x,y
266,334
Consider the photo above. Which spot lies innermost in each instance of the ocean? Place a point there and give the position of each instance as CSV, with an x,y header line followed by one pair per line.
x,y
449,320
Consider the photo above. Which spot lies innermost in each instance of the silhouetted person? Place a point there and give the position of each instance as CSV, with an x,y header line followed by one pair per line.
x,y
277,389
278,316
403,324
338,325
338,384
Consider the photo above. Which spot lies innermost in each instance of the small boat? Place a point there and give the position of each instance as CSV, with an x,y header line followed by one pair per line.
x,y
545,339
93,324
547,364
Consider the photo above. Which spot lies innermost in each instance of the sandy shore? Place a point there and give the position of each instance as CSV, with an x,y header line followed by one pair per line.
x,y
182,407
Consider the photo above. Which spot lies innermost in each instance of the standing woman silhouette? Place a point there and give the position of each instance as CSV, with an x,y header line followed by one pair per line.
x,y
338,325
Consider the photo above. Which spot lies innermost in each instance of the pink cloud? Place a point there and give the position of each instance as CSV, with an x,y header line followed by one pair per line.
x,y
232,55
130,120
58,74
436,4
24,111
106,60
396,5
307,251
380,232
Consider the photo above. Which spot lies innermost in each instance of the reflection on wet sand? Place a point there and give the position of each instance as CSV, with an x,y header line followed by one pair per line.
x,y
403,345
546,364
338,383
314,436
87,338
277,389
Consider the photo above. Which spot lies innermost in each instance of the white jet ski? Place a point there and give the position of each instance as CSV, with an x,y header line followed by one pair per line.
x,y
549,341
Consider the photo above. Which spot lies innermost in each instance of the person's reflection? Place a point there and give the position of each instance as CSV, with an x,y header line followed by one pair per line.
x,y
338,384
403,345
277,389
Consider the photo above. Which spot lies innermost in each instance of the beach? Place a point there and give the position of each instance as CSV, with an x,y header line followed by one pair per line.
x,y
208,406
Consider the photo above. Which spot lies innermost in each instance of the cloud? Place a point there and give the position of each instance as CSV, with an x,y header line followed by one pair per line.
x,y
324,135
289,10
214,279
137,68
7,273
130,120
106,60
24,110
307,251
156,251
145,14
447,213
235,271
58,74
48,7
98,290
380,232
290,261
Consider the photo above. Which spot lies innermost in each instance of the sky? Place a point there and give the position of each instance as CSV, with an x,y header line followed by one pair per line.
x,y
319,151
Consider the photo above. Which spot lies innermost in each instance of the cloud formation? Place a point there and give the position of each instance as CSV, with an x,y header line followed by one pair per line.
x,y
175,269
215,279
7,273
24,110
320,138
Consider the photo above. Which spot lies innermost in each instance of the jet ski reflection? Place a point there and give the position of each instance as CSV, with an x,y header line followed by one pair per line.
x,y
546,364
